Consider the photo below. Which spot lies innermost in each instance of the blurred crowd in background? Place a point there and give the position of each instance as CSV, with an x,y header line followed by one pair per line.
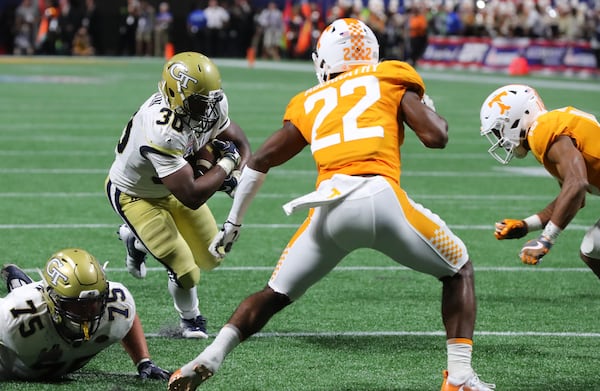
x,y
276,29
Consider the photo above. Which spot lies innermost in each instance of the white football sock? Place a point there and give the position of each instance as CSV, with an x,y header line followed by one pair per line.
x,y
213,355
185,301
459,360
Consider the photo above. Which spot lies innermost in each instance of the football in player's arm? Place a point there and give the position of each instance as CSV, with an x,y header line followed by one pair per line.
x,y
55,326
565,141
160,179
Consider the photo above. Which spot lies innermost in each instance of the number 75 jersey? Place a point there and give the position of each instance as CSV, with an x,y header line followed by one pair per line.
x,y
353,122
31,347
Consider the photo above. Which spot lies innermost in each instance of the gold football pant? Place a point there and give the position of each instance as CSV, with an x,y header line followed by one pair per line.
x,y
177,236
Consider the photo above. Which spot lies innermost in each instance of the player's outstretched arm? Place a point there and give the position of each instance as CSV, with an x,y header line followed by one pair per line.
x,y
281,146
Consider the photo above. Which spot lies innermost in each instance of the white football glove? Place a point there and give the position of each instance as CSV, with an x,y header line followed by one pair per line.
x,y
427,101
224,239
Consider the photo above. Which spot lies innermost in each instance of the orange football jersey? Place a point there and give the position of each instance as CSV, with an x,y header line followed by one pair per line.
x,y
352,121
583,128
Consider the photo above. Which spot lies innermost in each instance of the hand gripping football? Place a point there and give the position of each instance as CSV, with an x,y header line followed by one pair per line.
x,y
204,159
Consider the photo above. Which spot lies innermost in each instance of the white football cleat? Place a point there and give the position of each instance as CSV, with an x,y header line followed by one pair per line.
x,y
194,328
136,254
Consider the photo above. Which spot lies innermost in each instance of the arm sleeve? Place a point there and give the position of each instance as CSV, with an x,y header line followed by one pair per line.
x,y
250,182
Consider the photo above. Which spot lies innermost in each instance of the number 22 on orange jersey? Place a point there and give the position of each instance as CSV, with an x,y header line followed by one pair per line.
x,y
350,130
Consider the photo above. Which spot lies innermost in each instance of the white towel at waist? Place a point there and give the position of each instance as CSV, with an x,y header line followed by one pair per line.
x,y
329,191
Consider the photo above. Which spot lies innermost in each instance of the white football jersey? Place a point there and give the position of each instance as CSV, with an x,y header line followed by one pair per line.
x,y
154,144
31,347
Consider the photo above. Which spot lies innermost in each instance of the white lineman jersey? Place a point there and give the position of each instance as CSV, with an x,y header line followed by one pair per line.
x,y
31,347
154,144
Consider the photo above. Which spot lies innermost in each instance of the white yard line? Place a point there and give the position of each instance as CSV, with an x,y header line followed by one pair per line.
x,y
484,227
363,334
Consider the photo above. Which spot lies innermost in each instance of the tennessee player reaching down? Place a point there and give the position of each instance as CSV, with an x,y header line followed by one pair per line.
x,y
565,142
353,121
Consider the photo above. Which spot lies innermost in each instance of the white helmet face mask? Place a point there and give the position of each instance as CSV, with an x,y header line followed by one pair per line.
x,y
344,44
506,115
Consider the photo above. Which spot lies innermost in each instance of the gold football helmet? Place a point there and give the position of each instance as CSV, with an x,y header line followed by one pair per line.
x,y
76,290
191,84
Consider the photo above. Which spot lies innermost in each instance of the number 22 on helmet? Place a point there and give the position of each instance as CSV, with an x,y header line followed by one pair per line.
x,y
343,45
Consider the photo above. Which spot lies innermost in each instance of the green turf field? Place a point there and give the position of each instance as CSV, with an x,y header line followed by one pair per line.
x,y
370,325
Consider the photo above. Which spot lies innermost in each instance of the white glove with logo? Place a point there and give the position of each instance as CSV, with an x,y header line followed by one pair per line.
x,y
224,239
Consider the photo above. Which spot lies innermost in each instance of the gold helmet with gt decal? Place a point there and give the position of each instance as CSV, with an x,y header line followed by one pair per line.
x,y
76,290
191,84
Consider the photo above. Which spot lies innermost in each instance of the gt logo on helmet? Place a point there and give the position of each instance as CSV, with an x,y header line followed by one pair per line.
x,y
178,72
52,269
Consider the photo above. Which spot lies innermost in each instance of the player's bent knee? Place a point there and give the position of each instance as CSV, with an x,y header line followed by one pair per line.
x,y
467,270
464,273
209,262
587,259
189,280
276,300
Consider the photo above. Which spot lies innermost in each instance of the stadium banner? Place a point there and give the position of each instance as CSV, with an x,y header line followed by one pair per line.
x,y
496,54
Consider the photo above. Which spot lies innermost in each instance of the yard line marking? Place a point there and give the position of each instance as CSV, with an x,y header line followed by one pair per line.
x,y
51,195
426,333
286,172
484,227
285,197
403,268
54,153
458,197
354,334
518,269
53,171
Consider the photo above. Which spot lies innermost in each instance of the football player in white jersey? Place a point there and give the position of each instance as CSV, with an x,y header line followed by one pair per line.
x,y
159,196
55,326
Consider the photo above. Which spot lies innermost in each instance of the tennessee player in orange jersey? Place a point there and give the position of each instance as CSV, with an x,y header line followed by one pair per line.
x,y
565,142
353,121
